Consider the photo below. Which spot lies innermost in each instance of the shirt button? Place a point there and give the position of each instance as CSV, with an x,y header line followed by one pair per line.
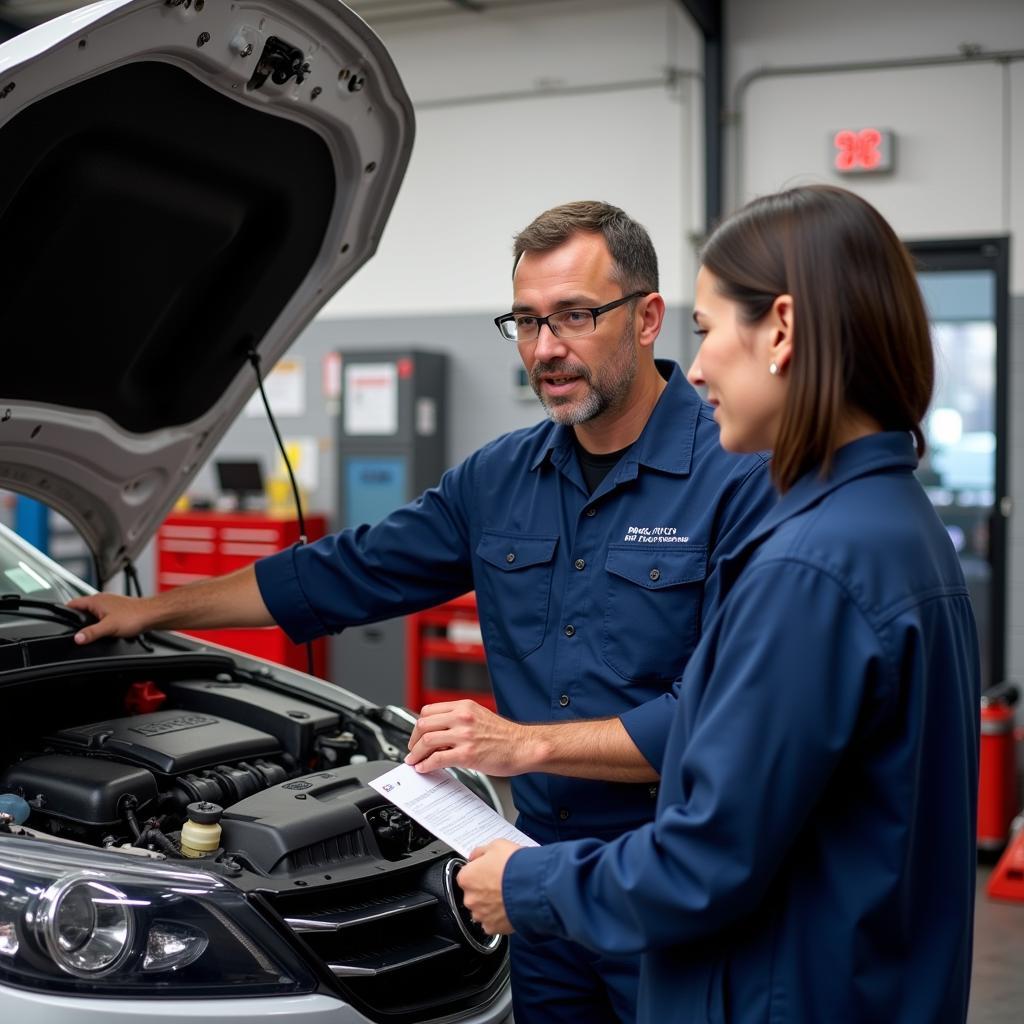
x,y
570,630
655,574
591,511
563,814
652,790
563,701
580,564
510,557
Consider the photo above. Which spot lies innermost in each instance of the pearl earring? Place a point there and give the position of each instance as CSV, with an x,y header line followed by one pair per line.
x,y
773,368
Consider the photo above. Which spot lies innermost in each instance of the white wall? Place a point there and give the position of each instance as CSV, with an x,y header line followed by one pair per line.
x,y
499,139
783,32
950,169
1014,114
959,127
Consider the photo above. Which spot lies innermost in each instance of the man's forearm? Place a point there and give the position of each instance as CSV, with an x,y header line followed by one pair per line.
x,y
469,735
221,602
591,749
233,600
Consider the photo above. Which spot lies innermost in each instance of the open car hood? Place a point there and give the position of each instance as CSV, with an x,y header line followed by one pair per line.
x,y
182,182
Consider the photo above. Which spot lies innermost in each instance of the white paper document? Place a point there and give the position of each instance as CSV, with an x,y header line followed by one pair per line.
x,y
445,807
285,386
371,399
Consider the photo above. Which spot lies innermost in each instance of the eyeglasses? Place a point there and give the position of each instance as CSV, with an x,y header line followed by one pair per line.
x,y
566,323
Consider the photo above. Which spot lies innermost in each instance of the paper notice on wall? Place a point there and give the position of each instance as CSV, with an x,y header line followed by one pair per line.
x,y
330,375
447,809
304,455
286,390
371,399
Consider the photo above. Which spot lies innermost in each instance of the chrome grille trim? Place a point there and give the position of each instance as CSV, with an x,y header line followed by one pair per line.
x,y
375,910
374,962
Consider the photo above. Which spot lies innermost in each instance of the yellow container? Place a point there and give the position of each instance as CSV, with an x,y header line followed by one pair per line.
x,y
199,840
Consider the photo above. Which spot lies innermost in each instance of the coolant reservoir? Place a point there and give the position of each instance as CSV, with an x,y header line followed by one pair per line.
x,y
200,834
15,806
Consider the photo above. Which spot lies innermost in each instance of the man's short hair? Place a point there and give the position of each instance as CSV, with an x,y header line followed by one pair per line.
x,y
635,263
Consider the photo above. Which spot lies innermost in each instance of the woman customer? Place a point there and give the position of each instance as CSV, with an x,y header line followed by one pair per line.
x,y
813,854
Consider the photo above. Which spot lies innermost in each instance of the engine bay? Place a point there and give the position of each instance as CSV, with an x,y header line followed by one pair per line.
x,y
286,779
216,763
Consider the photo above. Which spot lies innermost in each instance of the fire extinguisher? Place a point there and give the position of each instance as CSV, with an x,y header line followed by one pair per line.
x,y
998,801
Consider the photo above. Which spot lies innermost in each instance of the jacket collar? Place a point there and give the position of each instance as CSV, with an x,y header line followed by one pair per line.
x,y
875,453
666,442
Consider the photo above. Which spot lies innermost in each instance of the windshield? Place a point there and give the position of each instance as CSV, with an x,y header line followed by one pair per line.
x,y
30,576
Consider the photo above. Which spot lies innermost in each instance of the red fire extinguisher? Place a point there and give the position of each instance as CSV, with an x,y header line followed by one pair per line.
x,y
998,800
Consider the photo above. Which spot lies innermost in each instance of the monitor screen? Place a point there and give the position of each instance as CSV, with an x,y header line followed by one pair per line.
x,y
239,477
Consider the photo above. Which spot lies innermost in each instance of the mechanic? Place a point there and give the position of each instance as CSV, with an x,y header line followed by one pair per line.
x,y
592,542
813,853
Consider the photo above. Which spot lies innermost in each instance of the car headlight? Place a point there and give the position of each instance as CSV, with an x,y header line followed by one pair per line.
x,y
93,923
86,925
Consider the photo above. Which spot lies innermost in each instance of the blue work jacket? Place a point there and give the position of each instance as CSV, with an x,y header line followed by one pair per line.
x,y
813,854
589,604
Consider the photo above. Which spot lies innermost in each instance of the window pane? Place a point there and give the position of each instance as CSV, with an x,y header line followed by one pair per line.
x,y
960,468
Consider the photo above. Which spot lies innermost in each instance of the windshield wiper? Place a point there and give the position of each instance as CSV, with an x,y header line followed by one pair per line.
x,y
12,604
51,611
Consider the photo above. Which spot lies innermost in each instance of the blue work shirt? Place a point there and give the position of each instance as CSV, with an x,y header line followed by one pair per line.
x,y
813,854
589,604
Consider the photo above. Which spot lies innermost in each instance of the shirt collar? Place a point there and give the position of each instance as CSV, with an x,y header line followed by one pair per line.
x,y
666,442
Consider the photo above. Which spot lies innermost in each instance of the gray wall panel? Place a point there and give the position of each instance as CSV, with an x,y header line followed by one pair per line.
x,y
481,403
1015,484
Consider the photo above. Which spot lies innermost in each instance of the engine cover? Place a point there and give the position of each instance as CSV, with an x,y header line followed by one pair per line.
x,y
84,790
318,820
169,742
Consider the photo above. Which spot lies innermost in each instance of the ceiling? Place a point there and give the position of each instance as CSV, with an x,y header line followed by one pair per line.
x,y
377,12
26,13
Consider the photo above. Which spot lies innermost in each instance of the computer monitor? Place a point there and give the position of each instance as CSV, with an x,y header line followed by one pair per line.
x,y
243,479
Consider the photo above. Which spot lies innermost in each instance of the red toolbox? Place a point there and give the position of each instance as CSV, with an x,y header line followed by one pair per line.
x,y
196,545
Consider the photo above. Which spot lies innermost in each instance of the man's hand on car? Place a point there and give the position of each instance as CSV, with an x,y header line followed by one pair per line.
x,y
217,603
117,615
465,734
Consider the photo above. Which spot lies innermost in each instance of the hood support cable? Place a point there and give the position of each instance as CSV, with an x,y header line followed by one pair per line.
x,y
131,581
254,358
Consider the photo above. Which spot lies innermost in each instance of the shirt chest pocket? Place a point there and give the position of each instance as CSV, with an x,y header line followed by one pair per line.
x,y
513,584
652,611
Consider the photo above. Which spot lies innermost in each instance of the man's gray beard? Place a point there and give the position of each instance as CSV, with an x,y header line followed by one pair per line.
x,y
601,397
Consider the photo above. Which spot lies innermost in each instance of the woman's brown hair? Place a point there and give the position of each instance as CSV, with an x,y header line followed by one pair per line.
x,y
860,337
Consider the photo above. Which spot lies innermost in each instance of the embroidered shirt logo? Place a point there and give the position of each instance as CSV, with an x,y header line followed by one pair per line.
x,y
654,535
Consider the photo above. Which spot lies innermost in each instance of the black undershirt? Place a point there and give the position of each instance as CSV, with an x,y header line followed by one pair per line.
x,y
596,467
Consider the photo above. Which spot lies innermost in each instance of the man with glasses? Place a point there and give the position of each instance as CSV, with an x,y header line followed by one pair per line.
x,y
592,542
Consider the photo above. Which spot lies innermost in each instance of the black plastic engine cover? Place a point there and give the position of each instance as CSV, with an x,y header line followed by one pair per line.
x,y
318,819
169,742
86,790
296,723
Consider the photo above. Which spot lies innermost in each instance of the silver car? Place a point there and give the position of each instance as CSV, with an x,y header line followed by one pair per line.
x,y
187,832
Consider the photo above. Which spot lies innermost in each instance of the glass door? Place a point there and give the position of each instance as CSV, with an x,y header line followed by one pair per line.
x,y
965,289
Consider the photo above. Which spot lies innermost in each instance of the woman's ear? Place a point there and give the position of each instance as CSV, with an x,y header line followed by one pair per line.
x,y
780,320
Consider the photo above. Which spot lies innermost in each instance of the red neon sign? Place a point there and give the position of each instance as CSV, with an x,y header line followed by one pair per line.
x,y
862,151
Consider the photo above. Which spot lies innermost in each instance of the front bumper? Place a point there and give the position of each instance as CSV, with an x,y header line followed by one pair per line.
x,y
40,1008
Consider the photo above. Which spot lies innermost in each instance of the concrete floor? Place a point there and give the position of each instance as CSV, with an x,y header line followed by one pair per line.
x,y
997,984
